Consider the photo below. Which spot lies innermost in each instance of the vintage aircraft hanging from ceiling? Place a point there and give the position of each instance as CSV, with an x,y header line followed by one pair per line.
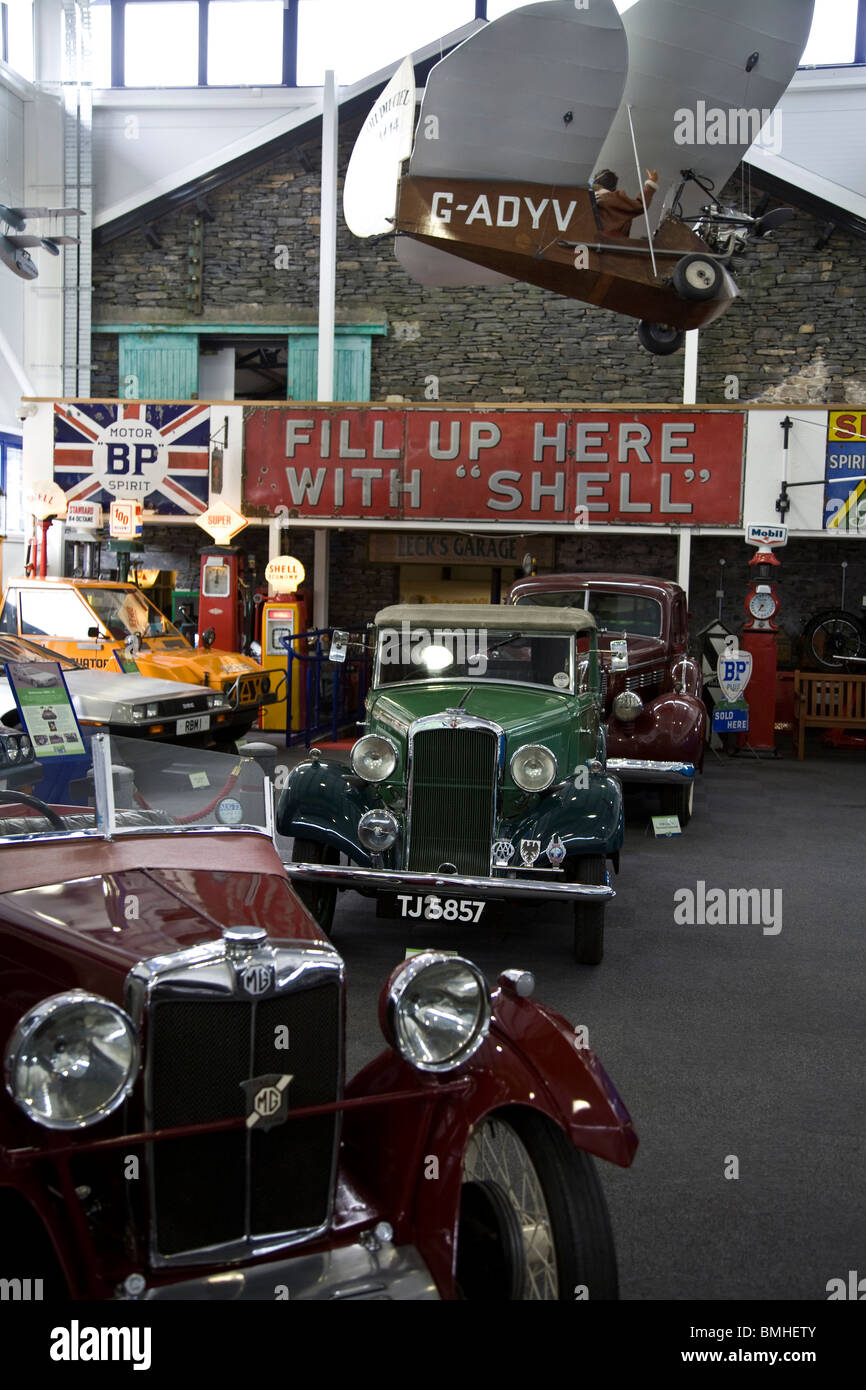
x,y
516,119
14,240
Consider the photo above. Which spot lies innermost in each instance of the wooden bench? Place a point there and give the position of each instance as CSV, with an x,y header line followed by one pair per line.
x,y
825,701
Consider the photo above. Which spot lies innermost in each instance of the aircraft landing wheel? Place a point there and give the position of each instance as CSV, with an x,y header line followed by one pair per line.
x,y
697,277
659,338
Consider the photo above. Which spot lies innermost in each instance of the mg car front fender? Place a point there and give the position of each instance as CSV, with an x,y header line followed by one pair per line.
x,y
409,1155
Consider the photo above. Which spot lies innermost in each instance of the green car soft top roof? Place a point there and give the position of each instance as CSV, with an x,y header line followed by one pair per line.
x,y
486,615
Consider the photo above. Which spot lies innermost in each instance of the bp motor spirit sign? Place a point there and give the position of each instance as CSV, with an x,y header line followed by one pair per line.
x,y
155,454
545,465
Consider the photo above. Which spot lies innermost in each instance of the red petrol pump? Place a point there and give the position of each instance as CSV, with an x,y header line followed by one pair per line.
x,y
219,605
759,638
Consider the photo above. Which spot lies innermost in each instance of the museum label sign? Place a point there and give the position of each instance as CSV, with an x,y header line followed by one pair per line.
x,y
573,467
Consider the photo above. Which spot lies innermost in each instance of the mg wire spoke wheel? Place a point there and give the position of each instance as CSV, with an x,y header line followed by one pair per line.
x,y
533,1219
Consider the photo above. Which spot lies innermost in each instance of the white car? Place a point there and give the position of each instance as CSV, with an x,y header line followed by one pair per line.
x,y
123,702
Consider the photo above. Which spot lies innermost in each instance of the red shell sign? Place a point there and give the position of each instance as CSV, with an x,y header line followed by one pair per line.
x,y
680,467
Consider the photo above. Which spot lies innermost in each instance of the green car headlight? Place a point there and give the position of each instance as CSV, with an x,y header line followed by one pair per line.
x,y
435,1010
72,1060
373,758
377,830
533,768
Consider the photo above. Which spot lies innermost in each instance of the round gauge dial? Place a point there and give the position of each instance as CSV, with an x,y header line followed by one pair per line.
x,y
762,604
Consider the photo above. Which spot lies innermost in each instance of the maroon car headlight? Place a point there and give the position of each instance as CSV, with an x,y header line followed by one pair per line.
x,y
627,706
72,1060
435,1010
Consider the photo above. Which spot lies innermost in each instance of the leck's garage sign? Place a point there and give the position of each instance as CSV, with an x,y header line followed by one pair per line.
x,y
662,467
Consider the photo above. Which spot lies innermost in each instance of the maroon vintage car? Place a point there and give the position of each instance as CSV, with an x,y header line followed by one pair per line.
x,y
656,719
175,1122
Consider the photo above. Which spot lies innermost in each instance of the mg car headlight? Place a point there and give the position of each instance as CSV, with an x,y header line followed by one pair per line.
x,y
627,706
533,767
377,830
435,1010
373,758
72,1060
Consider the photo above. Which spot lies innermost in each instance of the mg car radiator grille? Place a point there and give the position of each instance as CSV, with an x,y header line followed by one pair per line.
x,y
645,680
453,799
242,1186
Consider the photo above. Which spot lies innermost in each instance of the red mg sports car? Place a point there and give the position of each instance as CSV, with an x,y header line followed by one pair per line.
x,y
176,1123
656,719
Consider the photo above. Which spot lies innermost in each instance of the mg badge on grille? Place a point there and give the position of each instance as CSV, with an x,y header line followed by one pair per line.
x,y
257,979
503,853
529,851
267,1100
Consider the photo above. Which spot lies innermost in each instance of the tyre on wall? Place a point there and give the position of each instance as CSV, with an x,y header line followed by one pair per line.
x,y
320,899
832,638
533,1220
659,338
697,277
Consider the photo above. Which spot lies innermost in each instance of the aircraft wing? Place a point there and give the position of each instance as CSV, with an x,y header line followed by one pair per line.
x,y
498,106
690,93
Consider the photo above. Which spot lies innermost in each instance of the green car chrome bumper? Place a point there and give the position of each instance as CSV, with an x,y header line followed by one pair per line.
x,y
554,889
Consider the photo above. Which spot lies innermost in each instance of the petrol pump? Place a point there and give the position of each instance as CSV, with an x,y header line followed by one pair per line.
x,y
219,606
283,616
759,637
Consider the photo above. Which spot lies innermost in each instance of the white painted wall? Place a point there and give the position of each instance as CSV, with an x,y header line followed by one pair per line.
x,y
147,142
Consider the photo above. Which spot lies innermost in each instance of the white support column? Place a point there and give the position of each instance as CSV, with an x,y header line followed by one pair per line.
x,y
690,367
321,576
328,240
684,558
327,316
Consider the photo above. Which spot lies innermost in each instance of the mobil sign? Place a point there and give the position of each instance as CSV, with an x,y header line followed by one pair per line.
x,y
544,465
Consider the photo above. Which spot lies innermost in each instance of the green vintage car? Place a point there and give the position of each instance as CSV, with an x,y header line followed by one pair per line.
x,y
480,774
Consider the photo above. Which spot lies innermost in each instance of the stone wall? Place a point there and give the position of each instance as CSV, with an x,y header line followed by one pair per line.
x,y
796,334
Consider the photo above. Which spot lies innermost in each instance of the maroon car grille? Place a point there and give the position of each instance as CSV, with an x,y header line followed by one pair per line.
x,y
643,679
241,1186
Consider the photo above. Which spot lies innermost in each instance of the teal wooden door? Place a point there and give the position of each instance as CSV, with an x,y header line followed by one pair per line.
x,y
351,368
157,366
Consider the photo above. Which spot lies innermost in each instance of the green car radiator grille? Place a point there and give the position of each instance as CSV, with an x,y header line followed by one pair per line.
x,y
452,799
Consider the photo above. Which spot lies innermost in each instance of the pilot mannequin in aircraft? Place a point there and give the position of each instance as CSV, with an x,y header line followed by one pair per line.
x,y
616,209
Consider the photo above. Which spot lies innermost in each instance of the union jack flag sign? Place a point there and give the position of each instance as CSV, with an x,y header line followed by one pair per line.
x,y
157,454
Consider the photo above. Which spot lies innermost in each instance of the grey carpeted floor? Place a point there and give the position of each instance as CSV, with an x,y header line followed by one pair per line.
x,y
725,1041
